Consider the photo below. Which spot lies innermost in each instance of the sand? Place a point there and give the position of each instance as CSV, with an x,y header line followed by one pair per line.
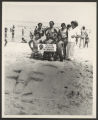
x,y
36,87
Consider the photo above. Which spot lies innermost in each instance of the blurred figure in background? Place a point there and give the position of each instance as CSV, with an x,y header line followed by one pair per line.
x,y
31,41
13,32
83,36
23,39
86,41
6,29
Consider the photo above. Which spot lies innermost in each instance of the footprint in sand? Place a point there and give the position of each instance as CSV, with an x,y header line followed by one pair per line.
x,y
36,79
22,113
49,65
27,101
13,77
17,71
65,87
39,73
26,94
31,78
61,71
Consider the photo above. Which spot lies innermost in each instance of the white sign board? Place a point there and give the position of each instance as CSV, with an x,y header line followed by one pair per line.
x,y
47,47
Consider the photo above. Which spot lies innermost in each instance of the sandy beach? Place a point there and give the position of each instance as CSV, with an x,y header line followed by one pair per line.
x,y
36,87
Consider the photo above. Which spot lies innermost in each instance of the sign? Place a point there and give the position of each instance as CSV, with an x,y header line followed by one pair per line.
x,y
47,47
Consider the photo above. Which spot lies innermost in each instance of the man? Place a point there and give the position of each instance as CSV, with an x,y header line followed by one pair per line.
x,y
64,37
51,32
51,38
39,30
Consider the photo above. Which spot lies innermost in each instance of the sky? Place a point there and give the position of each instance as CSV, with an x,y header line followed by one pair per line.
x,y
83,12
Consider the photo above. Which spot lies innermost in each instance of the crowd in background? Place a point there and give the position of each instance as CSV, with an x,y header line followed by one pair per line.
x,y
65,37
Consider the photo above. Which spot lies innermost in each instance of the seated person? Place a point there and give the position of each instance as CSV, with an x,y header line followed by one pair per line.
x,y
48,40
34,40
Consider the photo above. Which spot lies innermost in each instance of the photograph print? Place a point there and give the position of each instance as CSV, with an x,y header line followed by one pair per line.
x,y
49,59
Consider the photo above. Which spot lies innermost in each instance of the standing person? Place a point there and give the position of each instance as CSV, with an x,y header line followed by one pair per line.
x,y
5,36
31,41
72,34
23,32
13,32
83,36
64,36
86,41
39,30
51,32
77,40
23,39
51,37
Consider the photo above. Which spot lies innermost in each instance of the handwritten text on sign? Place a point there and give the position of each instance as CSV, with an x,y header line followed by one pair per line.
x,y
47,47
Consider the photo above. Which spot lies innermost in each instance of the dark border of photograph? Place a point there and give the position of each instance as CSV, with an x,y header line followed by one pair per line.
x,y
1,58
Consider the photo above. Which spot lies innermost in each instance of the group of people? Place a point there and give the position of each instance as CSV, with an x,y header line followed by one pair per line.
x,y
65,38
12,31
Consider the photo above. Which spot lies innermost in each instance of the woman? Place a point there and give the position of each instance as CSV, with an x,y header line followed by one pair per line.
x,y
64,37
73,32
